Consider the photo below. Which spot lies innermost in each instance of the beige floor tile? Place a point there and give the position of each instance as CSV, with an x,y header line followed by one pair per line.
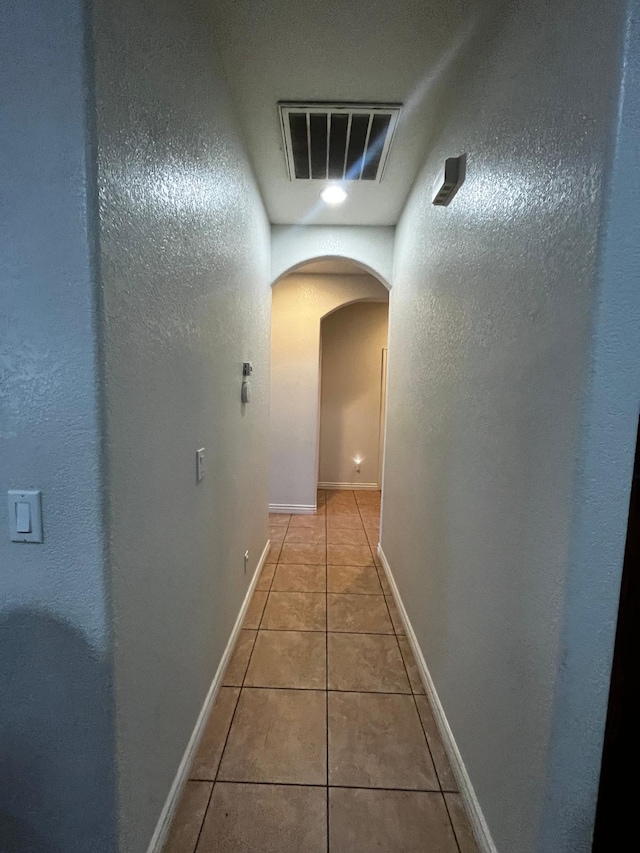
x,y
354,579
373,539
321,496
371,513
368,498
274,552
314,521
349,555
290,577
362,821
340,496
279,518
295,611
366,662
306,536
266,576
234,675
255,608
371,525
341,508
208,757
410,663
296,659
337,521
188,818
376,741
246,818
440,758
277,736
277,534
306,554
346,536
461,825
398,627
334,509
358,614
321,509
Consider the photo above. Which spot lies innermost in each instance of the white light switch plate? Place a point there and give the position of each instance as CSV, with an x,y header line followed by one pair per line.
x,y
25,516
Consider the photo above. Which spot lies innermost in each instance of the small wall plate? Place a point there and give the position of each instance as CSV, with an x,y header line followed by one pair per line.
x,y
25,505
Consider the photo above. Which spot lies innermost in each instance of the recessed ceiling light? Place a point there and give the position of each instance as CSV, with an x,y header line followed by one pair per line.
x,y
333,194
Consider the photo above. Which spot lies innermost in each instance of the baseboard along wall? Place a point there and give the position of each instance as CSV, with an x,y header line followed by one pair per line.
x,y
356,487
476,817
161,832
293,509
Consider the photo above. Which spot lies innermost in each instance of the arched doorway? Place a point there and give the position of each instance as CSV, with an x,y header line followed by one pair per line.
x,y
301,299
353,349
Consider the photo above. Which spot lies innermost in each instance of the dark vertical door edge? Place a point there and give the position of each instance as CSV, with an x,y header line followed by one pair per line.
x,y
617,797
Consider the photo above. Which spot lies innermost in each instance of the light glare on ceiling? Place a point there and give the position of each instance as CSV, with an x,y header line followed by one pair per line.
x,y
333,194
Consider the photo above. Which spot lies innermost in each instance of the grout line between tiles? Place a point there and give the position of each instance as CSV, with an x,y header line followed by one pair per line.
x,y
321,631
204,816
246,686
386,603
327,591
379,569
215,775
235,708
321,785
326,646
453,828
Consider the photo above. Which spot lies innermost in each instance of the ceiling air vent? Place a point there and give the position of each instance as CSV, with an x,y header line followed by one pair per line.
x,y
341,142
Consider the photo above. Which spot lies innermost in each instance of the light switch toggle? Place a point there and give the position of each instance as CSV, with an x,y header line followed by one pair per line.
x,y
25,516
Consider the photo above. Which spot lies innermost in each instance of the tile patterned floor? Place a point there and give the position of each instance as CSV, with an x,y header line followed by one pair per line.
x,y
321,738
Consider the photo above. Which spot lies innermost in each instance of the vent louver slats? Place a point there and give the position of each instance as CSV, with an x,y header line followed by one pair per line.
x,y
344,142
299,143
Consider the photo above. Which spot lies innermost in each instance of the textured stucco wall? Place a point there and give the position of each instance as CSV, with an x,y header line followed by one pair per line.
x,y
299,303
352,342
185,270
294,245
56,791
603,482
491,353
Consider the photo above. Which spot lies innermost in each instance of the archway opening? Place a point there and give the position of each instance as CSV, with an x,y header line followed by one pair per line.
x,y
327,427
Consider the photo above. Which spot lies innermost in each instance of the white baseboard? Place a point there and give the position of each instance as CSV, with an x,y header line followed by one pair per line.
x,y
294,509
351,486
166,815
476,817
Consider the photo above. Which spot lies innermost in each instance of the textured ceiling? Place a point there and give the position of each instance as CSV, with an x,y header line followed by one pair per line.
x,y
342,50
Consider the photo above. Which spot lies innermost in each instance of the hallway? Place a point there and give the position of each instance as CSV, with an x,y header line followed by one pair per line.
x,y
322,698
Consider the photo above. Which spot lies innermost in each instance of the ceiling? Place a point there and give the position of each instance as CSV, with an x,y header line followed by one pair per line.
x,y
338,50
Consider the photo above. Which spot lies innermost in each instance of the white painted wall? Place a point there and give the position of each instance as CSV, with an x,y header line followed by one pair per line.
x,y
294,245
56,730
299,303
185,267
512,409
352,342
